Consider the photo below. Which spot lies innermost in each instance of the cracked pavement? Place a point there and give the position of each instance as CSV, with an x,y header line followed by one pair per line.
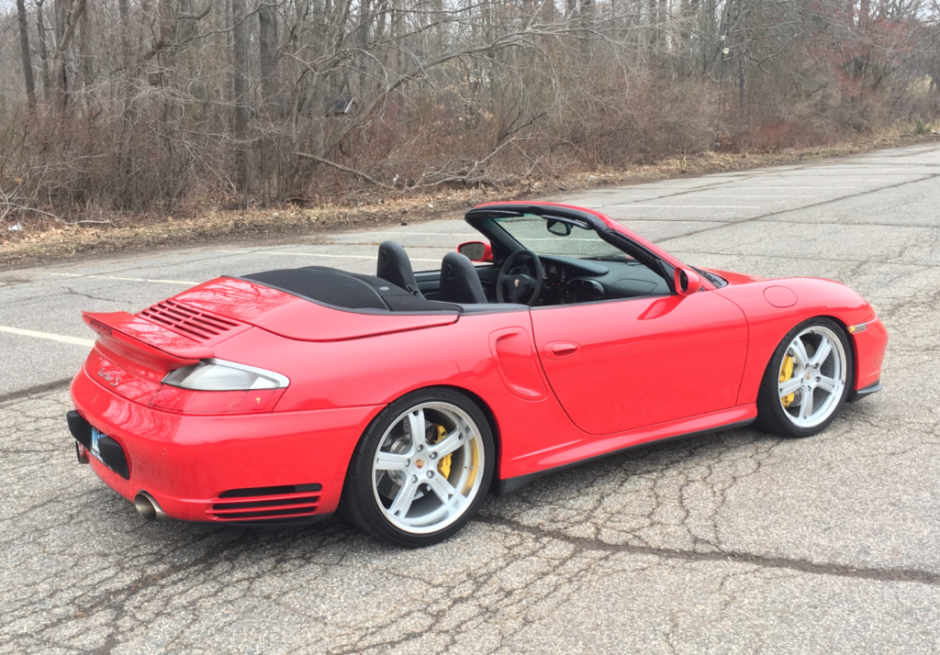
x,y
739,542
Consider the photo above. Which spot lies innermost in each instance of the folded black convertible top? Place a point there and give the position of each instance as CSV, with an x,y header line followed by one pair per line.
x,y
330,286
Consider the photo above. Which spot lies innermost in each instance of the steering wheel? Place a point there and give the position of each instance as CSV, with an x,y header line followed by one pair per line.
x,y
519,288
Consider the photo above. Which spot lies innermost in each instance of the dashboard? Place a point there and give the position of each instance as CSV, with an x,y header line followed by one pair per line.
x,y
568,280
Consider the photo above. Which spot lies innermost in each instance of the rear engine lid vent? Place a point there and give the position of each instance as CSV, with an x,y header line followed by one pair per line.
x,y
190,322
264,504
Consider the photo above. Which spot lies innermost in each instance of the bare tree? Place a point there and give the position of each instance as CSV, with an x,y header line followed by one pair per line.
x,y
292,100
41,45
240,92
67,15
270,104
27,57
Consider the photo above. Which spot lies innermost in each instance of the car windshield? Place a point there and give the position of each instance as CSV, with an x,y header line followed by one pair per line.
x,y
580,241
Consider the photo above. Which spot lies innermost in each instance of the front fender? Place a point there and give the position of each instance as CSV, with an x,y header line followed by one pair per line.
x,y
774,307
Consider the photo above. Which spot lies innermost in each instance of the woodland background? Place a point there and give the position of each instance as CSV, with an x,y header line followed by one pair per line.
x,y
146,105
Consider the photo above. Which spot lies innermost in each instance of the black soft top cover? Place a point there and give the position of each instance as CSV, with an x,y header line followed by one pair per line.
x,y
353,291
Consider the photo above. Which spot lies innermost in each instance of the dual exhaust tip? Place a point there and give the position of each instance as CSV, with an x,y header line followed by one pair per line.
x,y
148,508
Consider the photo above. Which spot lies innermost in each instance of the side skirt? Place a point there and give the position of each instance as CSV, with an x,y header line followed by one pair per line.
x,y
511,484
867,391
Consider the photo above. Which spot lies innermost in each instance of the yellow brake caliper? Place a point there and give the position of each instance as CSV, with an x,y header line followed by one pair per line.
x,y
786,372
443,467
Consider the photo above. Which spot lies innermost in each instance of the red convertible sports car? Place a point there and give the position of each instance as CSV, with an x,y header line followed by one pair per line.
x,y
403,398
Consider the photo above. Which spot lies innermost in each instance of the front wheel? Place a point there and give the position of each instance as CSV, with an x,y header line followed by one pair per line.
x,y
807,380
421,469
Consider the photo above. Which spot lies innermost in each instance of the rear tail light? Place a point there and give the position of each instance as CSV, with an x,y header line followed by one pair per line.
x,y
218,375
217,387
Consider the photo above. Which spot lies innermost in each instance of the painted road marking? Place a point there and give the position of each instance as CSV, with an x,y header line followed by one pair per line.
x,y
315,254
417,234
127,279
638,204
88,343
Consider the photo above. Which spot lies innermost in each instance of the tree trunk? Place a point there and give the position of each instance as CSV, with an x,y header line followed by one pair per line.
x,y
654,27
43,53
67,13
27,60
364,34
270,104
59,72
240,93
84,50
125,33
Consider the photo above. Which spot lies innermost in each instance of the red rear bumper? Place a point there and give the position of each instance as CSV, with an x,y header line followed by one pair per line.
x,y
226,468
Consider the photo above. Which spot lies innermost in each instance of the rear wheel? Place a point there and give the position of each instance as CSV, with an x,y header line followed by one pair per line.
x,y
807,380
421,469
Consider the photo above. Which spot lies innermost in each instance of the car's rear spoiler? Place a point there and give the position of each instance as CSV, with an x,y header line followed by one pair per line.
x,y
136,339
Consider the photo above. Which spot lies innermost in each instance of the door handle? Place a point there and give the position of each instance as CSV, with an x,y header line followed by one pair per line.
x,y
563,349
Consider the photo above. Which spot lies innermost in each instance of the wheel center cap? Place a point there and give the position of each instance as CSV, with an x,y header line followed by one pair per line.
x,y
419,463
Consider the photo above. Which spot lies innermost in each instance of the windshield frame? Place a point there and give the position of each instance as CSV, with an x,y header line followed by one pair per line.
x,y
482,219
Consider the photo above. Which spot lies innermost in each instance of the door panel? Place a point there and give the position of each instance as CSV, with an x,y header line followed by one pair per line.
x,y
619,365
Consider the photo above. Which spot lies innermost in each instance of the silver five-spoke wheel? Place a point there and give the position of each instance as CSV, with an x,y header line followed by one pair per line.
x,y
427,469
807,380
421,469
812,376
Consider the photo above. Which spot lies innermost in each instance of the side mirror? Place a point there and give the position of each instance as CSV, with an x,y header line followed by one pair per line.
x,y
476,251
558,227
687,281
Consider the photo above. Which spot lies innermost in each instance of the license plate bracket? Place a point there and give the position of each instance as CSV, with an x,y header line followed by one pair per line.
x,y
96,436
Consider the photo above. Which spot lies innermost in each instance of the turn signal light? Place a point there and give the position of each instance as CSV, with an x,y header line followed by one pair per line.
x,y
175,399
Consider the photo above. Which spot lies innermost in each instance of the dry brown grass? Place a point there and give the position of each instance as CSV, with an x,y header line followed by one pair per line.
x,y
44,240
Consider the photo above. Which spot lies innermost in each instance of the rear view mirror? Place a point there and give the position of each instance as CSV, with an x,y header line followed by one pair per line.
x,y
476,251
558,227
687,281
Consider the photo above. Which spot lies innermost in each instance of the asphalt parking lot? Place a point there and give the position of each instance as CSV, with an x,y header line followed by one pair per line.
x,y
735,543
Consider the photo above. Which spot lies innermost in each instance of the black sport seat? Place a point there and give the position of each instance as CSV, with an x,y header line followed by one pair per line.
x,y
459,280
395,267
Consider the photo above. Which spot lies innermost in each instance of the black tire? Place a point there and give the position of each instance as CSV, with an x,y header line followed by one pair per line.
x,y
371,492
776,412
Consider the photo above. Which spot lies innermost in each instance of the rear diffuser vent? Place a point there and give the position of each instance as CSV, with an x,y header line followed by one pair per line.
x,y
187,321
262,504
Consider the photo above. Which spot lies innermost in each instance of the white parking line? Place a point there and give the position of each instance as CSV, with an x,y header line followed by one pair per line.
x,y
127,279
88,343
640,203
315,254
405,233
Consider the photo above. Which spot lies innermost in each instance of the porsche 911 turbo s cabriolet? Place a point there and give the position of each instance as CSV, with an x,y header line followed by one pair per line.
x,y
403,398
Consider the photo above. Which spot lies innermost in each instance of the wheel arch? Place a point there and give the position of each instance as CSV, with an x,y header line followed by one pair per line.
x,y
491,420
770,416
493,424
853,349
475,398
360,502
854,364
843,325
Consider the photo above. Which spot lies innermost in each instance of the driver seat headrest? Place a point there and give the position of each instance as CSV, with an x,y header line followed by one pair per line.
x,y
459,280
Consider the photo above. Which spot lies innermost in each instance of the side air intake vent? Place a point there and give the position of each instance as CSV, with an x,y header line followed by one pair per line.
x,y
263,504
187,321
